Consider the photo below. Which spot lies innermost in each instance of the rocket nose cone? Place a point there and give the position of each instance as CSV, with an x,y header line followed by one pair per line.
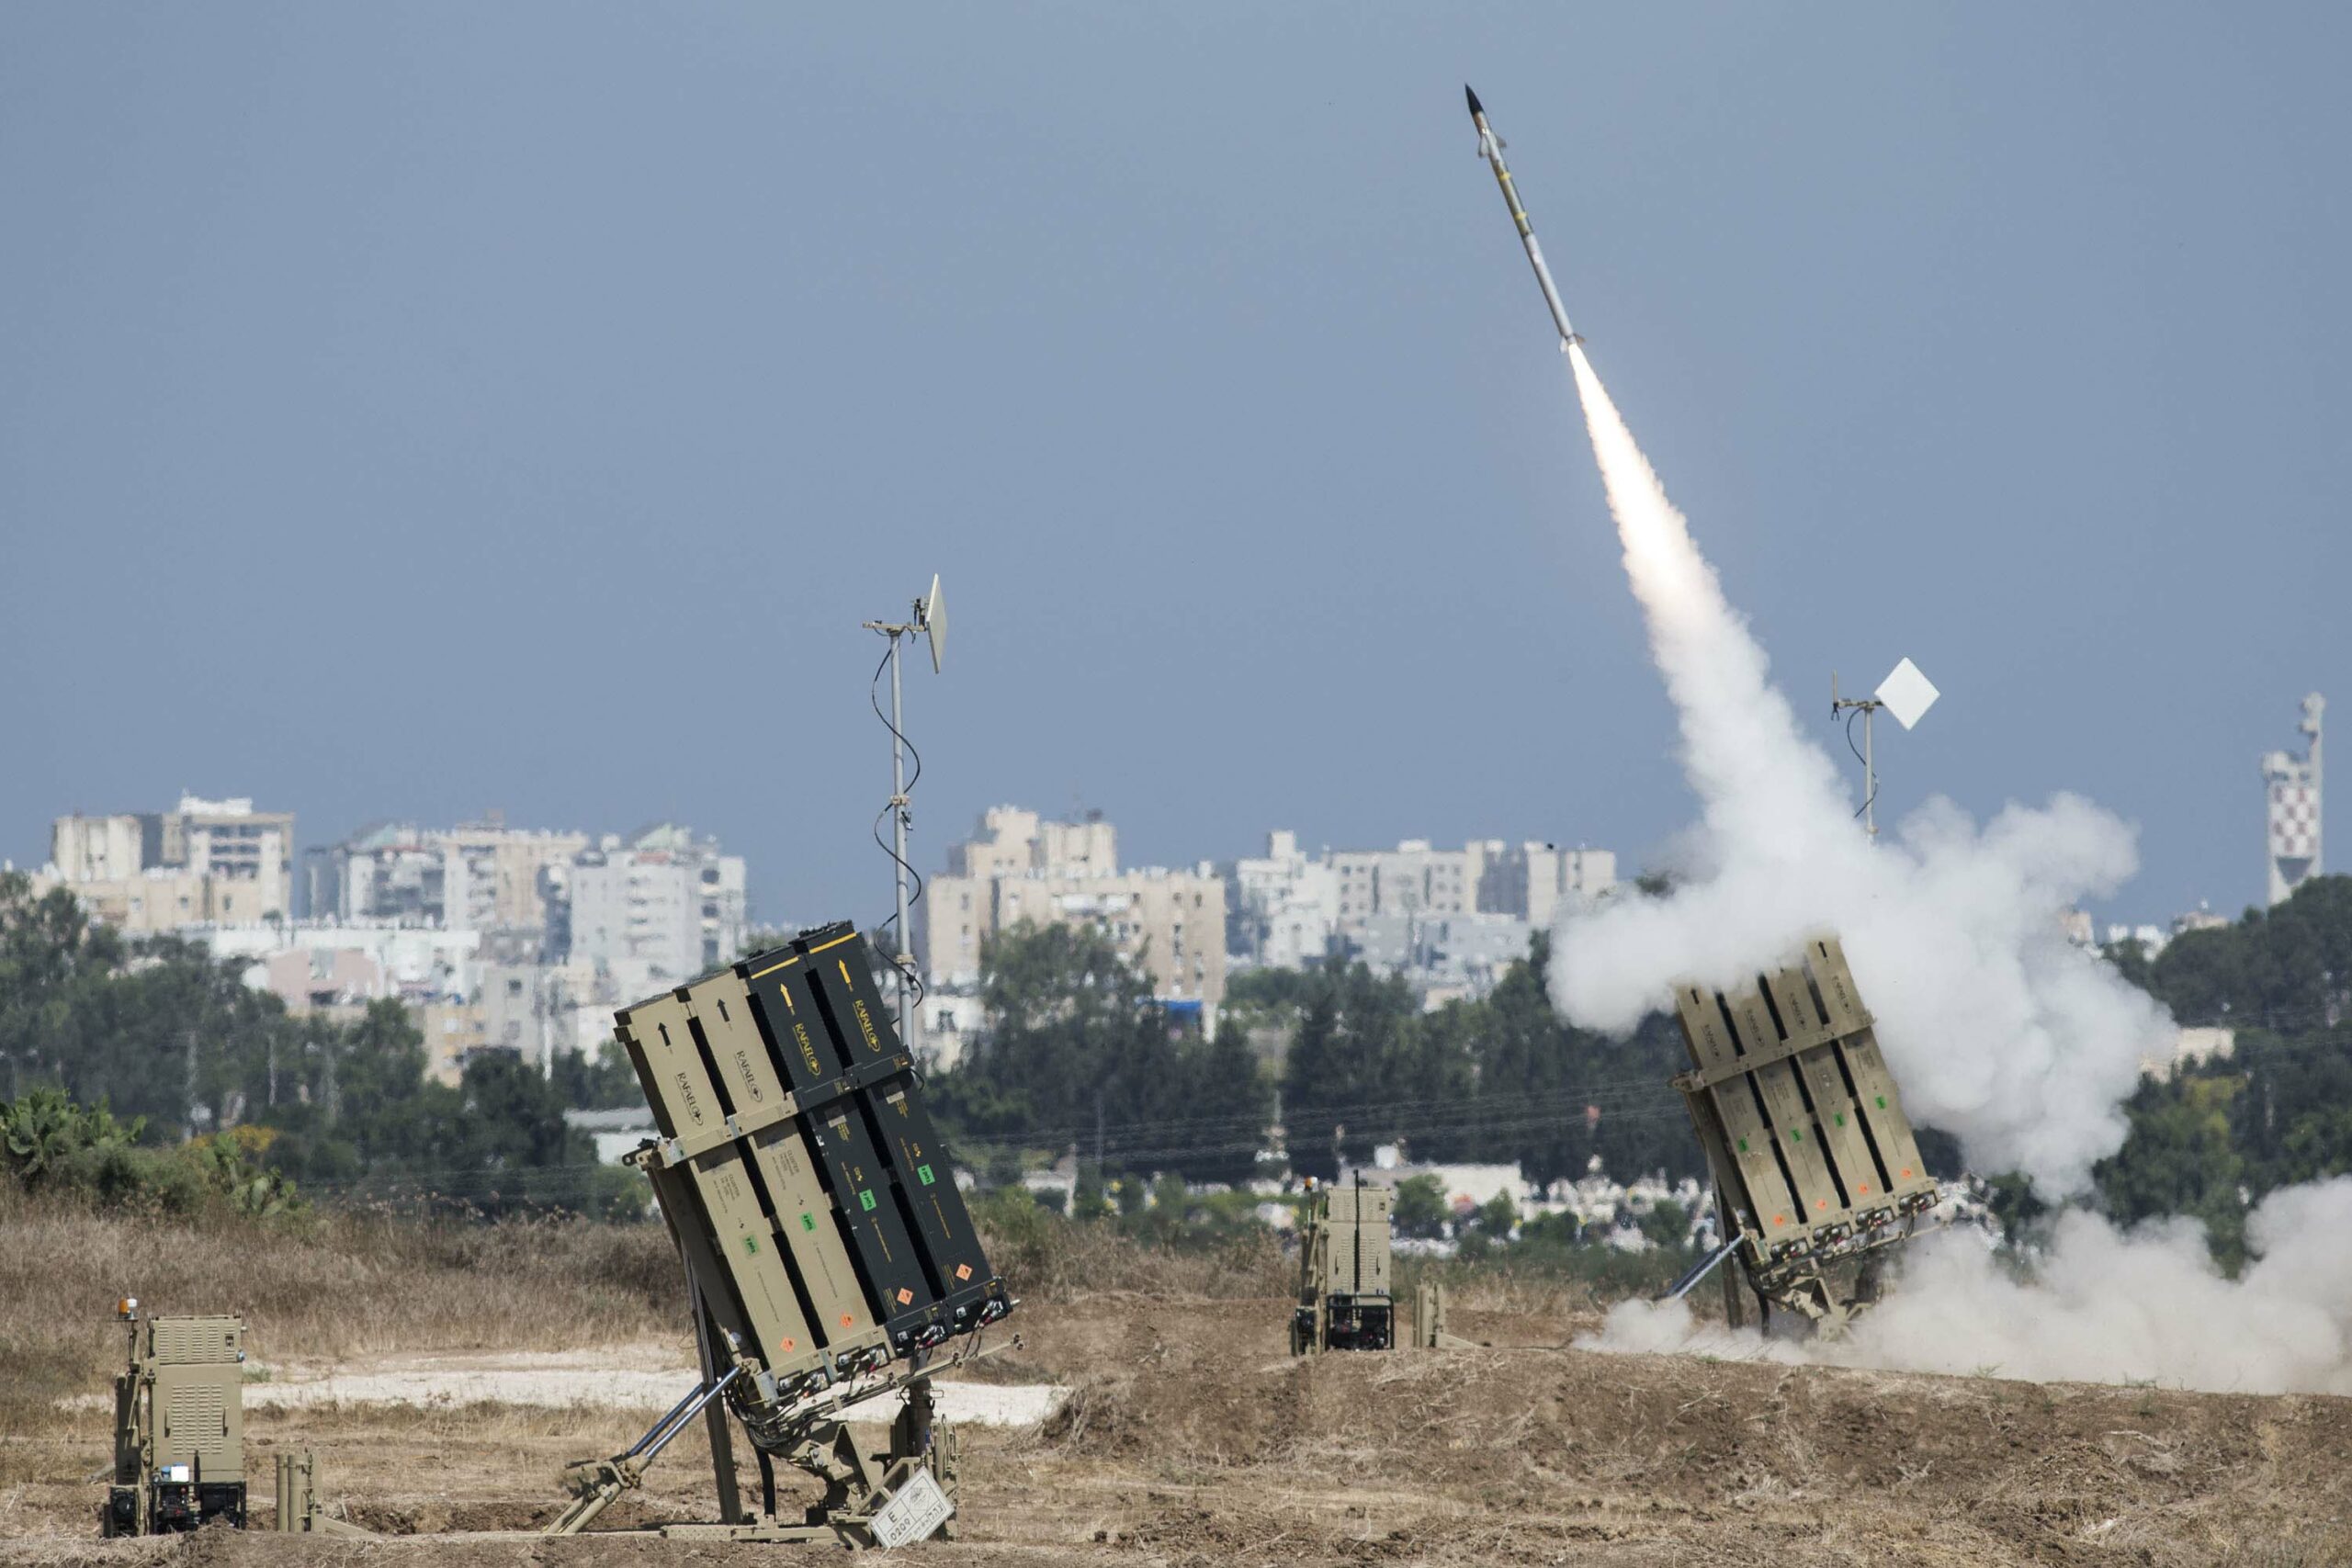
x,y
1476,107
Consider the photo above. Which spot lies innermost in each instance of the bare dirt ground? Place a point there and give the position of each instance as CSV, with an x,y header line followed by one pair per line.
x,y
1189,1437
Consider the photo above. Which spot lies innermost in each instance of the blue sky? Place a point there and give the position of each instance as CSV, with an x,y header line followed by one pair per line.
x,y
415,410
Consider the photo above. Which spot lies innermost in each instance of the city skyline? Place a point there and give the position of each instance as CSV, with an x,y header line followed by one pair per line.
x,y
937,860
1090,828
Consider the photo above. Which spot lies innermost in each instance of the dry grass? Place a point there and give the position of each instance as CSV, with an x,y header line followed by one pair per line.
x,y
338,1285
332,1285
1051,1259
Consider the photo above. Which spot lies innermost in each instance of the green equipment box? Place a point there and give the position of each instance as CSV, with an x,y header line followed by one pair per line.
x,y
800,1169
179,1453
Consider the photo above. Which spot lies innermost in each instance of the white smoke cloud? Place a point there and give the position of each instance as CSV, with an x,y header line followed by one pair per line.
x,y
1997,1029
2101,1307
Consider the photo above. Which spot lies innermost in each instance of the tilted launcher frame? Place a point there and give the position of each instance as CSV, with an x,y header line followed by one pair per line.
x,y
829,1256
1813,1161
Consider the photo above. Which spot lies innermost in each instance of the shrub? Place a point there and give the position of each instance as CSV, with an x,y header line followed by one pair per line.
x,y
53,1147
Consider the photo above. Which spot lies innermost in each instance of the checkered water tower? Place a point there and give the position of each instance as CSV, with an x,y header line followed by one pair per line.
x,y
2293,783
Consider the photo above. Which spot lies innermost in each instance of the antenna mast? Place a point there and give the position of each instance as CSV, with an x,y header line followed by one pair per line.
x,y
1868,708
930,617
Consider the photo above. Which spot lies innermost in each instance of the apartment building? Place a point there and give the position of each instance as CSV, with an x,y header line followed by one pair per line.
x,y
1020,867
656,908
202,861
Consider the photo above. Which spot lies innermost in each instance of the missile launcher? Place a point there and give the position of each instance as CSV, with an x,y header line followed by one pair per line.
x,y
1815,1163
830,1255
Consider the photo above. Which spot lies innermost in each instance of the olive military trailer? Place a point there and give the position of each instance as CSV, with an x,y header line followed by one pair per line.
x,y
794,1133
1815,1163
831,1254
179,1454
1345,1300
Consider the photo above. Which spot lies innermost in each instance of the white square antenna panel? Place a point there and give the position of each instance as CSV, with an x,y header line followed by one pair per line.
x,y
1907,694
934,621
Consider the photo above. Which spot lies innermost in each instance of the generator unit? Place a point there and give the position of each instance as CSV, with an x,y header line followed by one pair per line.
x,y
828,1255
1816,1166
179,1459
1344,1300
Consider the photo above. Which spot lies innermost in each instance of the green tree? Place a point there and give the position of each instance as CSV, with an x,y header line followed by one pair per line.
x,y
1420,1209
1087,1198
1357,1036
186,1054
1552,1097
52,960
1666,1224
2179,1158
1076,1052
48,1139
2288,968
1225,1091
2217,1136
606,1083
2293,1120
2131,960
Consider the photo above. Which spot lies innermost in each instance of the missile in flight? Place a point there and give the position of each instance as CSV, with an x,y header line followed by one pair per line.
x,y
1490,148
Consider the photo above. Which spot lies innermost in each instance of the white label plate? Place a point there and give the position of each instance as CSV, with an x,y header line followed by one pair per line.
x,y
915,1514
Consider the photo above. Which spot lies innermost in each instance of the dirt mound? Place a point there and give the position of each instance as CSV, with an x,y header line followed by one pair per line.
x,y
1981,1465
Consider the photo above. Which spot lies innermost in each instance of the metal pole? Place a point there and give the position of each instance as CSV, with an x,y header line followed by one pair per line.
x,y
1727,1224
1700,1270
1869,706
899,837
1869,773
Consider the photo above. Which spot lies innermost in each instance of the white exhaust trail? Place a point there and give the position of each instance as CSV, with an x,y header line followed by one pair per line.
x,y
1998,1030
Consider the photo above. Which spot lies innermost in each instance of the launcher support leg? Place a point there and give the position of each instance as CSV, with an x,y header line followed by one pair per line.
x,y
916,1444
597,1485
1807,1301
722,1447
1700,1270
910,1433
1734,1310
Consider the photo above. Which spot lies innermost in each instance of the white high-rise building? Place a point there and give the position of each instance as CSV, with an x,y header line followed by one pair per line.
x,y
1534,880
656,908
1285,904
1439,916
482,876
1486,876
2293,819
